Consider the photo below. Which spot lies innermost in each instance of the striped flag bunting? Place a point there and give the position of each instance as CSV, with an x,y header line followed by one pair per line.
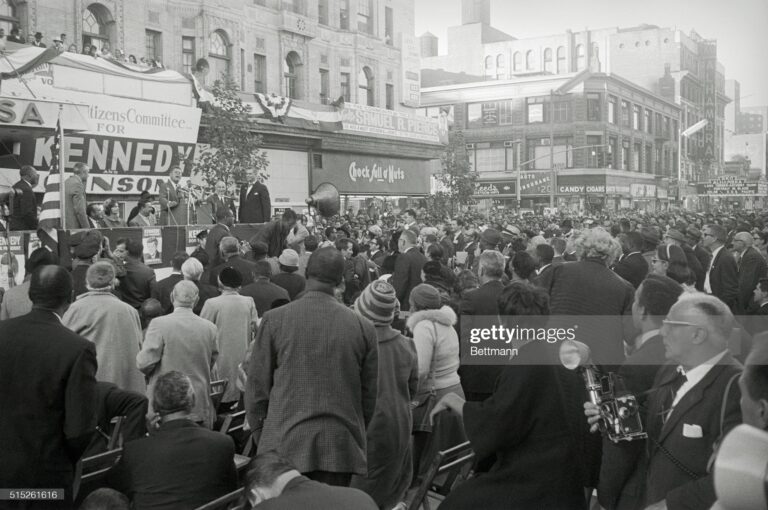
x,y
50,217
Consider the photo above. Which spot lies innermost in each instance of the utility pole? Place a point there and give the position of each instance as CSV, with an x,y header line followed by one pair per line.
x,y
552,149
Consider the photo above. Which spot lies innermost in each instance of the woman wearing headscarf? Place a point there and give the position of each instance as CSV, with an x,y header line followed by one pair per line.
x,y
437,344
388,435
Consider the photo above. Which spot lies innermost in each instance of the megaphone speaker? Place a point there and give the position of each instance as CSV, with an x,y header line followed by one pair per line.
x,y
325,199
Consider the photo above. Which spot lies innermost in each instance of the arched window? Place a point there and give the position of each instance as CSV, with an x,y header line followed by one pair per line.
x,y
9,17
529,60
98,26
517,61
219,55
292,75
501,65
365,86
561,60
488,62
500,61
580,58
548,60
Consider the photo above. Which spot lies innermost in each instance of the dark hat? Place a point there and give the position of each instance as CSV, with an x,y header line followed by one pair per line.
x,y
230,277
76,238
675,234
326,265
649,235
378,303
259,248
90,245
425,297
694,233
490,237
201,234
38,35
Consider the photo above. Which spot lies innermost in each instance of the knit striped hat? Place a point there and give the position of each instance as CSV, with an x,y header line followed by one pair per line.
x,y
378,303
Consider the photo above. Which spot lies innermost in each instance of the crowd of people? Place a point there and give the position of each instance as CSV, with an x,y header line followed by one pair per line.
x,y
342,339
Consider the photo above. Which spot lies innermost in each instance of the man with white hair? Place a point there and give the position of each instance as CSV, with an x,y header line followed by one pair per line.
x,y
112,325
229,248
751,266
192,270
184,342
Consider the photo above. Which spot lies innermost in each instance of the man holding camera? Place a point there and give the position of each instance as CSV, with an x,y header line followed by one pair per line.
x,y
694,402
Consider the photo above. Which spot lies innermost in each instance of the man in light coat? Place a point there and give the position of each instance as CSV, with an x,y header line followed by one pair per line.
x,y
184,342
236,319
312,379
112,325
74,198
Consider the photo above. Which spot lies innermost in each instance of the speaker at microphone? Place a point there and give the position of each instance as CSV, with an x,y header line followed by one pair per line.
x,y
325,200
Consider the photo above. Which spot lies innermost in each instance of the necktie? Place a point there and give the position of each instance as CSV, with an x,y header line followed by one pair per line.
x,y
672,388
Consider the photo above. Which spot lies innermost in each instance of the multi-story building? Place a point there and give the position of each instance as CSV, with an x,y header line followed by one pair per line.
x,y
312,51
665,61
584,140
752,120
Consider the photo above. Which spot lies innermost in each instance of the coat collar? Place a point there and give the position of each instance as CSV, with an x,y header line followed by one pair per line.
x,y
181,423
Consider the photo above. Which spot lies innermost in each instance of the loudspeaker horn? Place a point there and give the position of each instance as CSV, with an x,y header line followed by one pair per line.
x,y
325,199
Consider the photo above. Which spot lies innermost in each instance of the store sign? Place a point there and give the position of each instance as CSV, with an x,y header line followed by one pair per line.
x,y
535,183
492,188
363,174
733,186
580,184
617,189
708,55
661,192
410,60
640,190
378,121
581,189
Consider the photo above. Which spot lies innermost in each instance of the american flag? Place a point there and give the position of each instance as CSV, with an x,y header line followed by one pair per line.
x,y
50,217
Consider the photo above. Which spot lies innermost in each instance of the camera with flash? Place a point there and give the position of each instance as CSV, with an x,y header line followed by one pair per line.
x,y
619,415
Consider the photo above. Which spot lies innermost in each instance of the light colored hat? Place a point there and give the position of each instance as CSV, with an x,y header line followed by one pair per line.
x,y
289,258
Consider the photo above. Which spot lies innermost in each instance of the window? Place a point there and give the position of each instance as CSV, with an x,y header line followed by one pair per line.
x,y
500,67
291,85
9,17
676,130
593,107
296,6
625,154
489,158
625,119
658,124
482,115
667,133
365,16
636,116
636,152
322,12
505,113
536,111
593,150
649,159
259,73
529,60
344,14
474,115
659,157
612,109
580,58
390,99
488,64
345,86
153,49
324,86
613,151
389,26
96,22
561,153
517,61
365,86
219,56
548,60
648,123
188,54
561,60
561,111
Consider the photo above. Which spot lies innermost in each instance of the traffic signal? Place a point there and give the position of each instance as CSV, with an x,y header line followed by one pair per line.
x,y
600,159
608,160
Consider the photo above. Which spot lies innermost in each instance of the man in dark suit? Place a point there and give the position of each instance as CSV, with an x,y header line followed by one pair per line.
x,y
262,290
408,266
693,236
255,205
113,402
219,200
48,401
632,265
558,245
543,256
74,198
722,278
174,202
181,464
224,221
272,478
478,381
230,251
139,279
751,266
24,203
163,288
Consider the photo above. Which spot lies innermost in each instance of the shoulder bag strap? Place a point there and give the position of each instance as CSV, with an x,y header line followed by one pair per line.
x,y
432,362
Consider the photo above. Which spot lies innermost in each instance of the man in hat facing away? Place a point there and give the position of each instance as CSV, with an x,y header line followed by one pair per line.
x,y
312,383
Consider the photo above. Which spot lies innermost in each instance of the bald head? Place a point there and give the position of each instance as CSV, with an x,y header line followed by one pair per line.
x,y
697,328
50,288
185,294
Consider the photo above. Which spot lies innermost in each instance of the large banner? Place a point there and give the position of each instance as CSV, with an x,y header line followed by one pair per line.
x,y
380,122
361,174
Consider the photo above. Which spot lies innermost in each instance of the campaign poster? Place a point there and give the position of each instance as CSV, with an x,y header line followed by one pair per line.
x,y
33,243
11,264
192,242
152,240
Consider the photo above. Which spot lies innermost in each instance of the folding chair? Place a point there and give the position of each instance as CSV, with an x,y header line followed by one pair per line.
x,y
449,468
225,502
115,437
217,391
91,472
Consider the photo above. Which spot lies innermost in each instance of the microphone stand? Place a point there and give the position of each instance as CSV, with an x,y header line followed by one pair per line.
x,y
6,213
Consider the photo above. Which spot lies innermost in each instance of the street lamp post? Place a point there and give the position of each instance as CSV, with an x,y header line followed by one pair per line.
x,y
686,133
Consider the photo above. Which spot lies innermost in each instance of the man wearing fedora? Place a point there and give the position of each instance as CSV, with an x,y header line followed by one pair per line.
x,y
676,237
288,277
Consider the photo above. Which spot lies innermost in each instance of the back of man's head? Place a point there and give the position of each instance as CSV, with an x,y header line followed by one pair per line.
x,y
173,393
264,470
150,308
263,269
40,257
229,247
100,275
50,287
545,253
192,269
657,294
326,265
718,232
310,244
134,248
185,294
106,499
634,241
178,259
558,244
409,236
491,264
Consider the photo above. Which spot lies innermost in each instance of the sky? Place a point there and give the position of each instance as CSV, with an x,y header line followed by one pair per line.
x,y
740,27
